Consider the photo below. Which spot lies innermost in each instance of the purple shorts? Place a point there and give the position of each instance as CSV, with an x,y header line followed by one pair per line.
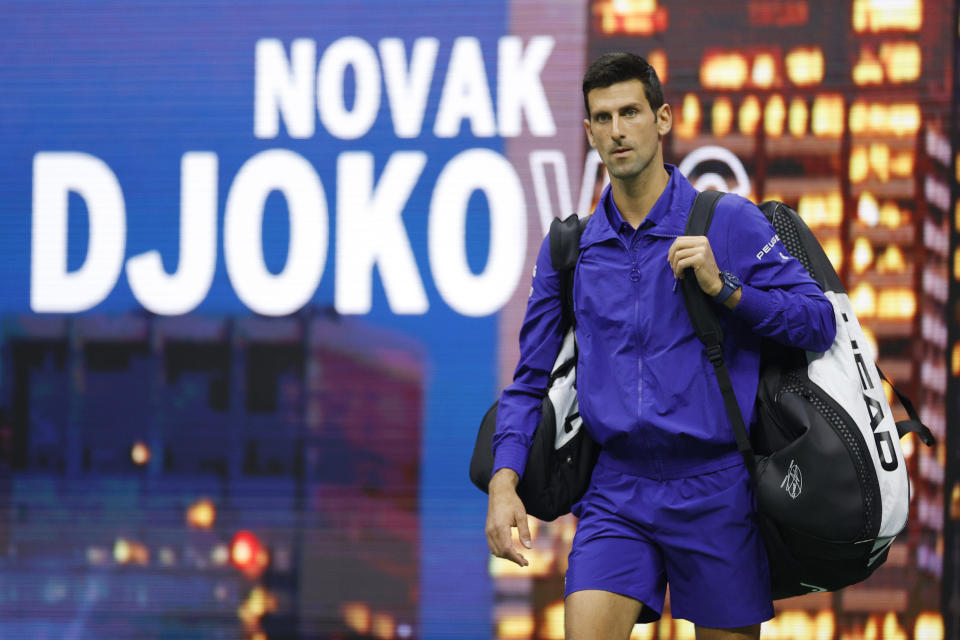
x,y
636,534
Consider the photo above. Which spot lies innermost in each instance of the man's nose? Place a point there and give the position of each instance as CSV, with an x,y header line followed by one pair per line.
x,y
615,126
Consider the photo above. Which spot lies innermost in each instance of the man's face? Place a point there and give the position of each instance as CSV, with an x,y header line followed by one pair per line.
x,y
624,129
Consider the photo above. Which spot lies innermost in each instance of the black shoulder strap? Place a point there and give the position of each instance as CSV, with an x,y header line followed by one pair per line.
x,y
707,326
564,250
701,213
704,320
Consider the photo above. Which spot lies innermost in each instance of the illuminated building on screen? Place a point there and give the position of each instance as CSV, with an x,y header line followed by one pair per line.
x,y
212,477
844,111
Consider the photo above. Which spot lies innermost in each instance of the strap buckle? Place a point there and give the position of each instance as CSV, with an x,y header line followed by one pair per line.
x,y
715,354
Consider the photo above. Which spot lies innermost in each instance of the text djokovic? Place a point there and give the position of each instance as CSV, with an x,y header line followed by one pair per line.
x,y
297,90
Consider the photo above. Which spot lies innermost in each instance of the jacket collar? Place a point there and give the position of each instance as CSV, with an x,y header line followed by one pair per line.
x,y
668,215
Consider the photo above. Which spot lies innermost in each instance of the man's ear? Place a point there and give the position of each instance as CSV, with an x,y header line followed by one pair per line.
x,y
586,126
664,119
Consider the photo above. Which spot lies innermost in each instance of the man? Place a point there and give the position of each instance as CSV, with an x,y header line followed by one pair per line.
x,y
670,499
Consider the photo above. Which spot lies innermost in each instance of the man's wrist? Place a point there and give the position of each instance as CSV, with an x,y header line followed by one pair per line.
x,y
716,289
505,478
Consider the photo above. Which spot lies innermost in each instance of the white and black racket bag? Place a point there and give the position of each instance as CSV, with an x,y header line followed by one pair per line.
x,y
562,454
824,451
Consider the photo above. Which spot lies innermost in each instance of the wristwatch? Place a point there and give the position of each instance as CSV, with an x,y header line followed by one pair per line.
x,y
730,284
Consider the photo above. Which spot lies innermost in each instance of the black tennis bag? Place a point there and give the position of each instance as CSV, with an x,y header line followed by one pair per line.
x,y
831,482
562,454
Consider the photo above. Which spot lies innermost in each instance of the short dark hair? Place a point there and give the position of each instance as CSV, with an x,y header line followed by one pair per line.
x,y
611,68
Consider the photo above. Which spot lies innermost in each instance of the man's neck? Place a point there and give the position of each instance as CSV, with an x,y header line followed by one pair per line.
x,y
635,197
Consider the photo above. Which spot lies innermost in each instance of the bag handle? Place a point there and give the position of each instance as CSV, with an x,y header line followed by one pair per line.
x,y
914,424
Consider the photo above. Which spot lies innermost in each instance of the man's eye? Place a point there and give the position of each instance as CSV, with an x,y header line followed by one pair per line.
x,y
630,113
603,117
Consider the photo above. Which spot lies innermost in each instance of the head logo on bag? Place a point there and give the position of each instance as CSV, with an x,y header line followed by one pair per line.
x,y
886,452
793,481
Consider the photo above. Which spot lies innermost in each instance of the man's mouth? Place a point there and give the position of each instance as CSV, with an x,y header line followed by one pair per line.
x,y
621,151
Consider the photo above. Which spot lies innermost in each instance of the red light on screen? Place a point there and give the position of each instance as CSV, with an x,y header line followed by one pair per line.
x,y
248,554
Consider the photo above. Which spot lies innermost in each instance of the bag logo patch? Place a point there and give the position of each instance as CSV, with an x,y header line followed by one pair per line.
x,y
793,481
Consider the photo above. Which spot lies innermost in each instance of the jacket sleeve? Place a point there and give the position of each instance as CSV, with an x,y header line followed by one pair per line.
x,y
780,300
540,337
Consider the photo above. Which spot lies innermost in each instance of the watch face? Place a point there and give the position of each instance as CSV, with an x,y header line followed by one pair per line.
x,y
730,279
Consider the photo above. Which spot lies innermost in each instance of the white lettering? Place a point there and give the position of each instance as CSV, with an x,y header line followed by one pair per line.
x,y
488,171
588,185
338,120
538,163
282,87
466,94
370,231
519,87
52,288
181,292
407,92
767,248
295,178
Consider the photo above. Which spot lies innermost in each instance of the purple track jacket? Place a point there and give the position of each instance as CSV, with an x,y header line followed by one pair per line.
x,y
646,390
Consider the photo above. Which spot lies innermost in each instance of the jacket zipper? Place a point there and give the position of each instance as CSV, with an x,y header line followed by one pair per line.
x,y
636,330
636,319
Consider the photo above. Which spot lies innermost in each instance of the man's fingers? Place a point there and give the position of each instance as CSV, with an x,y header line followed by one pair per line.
x,y
523,529
501,545
686,257
683,242
689,261
682,265
513,555
504,512
504,547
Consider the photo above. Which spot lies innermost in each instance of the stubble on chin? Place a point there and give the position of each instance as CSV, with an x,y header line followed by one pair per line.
x,y
628,171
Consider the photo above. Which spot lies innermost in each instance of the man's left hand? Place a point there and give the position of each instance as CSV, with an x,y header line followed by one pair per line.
x,y
695,252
